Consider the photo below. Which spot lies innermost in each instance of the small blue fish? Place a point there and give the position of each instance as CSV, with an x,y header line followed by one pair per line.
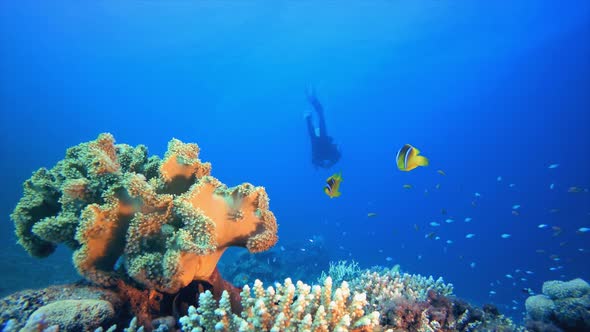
x,y
515,206
468,219
512,185
434,224
389,259
505,236
552,166
472,265
449,242
449,221
477,195
469,236
583,229
499,178
551,186
543,226
509,276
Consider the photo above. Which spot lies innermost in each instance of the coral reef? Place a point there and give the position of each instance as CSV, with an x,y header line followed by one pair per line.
x,y
398,302
161,223
286,307
409,302
563,306
418,305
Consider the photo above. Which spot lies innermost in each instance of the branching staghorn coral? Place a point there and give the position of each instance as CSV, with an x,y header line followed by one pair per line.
x,y
285,307
341,271
163,223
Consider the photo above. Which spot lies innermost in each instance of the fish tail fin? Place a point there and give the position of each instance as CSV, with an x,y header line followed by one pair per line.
x,y
422,161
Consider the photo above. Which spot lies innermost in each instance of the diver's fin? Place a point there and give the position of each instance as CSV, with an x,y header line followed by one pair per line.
x,y
421,161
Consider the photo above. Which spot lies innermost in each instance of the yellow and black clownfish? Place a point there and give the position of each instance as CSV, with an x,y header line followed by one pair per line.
x,y
333,185
407,158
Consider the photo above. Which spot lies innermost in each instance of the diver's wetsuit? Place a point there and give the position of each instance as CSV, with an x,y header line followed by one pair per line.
x,y
324,153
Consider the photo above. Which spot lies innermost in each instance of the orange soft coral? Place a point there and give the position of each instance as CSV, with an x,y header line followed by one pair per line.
x,y
238,216
172,230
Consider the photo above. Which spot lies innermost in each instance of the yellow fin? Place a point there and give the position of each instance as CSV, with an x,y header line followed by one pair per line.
x,y
421,161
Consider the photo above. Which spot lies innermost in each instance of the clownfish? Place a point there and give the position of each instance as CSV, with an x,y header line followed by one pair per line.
x,y
333,185
408,158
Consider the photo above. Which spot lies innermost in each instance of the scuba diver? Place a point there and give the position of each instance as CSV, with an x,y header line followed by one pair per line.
x,y
324,153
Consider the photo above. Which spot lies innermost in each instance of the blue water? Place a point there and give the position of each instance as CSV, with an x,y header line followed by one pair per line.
x,y
483,90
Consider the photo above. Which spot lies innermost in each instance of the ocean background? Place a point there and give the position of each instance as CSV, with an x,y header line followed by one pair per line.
x,y
483,89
